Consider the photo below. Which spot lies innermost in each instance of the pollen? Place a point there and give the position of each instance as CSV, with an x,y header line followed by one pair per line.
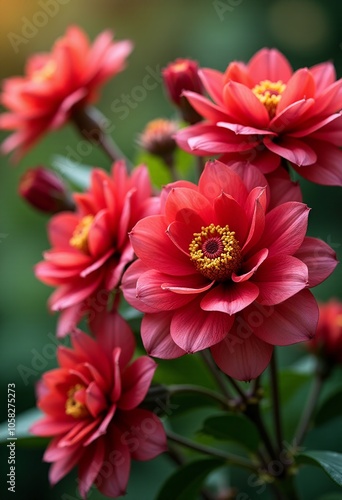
x,y
215,252
79,237
269,94
74,407
45,73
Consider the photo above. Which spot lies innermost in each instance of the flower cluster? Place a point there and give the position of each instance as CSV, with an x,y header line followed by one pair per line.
x,y
222,264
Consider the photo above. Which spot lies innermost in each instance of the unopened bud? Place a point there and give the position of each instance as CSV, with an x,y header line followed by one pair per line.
x,y
45,191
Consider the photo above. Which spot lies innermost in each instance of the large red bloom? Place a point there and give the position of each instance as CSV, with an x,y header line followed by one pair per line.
x,y
91,247
91,409
263,112
56,83
222,268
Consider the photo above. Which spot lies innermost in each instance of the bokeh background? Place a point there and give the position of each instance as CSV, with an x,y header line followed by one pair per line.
x,y
211,32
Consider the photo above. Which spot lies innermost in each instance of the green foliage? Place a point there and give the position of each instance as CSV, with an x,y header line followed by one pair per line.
x,y
328,461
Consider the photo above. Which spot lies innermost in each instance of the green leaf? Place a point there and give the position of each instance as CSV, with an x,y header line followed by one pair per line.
x,y
232,427
329,461
23,422
76,174
330,408
186,482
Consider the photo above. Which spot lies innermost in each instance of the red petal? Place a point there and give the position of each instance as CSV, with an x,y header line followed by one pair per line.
x,y
136,381
194,329
230,298
294,150
156,337
213,83
319,257
300,86
279,278
90,465
269,64
241,356
294,320
244,106
327,170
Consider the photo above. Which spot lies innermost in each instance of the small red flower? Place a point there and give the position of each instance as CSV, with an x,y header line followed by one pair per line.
x,y
263,112
56,83
44,190
327,342
222,268
181,75
91,405
91,247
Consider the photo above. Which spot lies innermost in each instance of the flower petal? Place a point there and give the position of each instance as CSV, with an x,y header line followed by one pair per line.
x,y
279,278
294,320
194,329
230,298
156,337
269,64
136,381
240,357
319,258
294,150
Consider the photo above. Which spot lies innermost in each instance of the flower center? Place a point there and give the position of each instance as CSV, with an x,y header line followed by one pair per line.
x,y
269,94
45,72
215,252
79,237
74,407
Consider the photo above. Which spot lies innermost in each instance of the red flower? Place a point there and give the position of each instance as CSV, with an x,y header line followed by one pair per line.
x,y
221,268
262,112
55,83
91,247
327,342
91,409
180,75
44,190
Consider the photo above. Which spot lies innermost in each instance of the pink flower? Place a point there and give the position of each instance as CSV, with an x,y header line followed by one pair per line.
x,y
56,83
91,405
91,247
264,113
327,342
221,268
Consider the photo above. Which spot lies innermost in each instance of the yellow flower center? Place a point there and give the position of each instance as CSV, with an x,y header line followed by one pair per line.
x,y
215,252
74,407
269,94
79,237
45,73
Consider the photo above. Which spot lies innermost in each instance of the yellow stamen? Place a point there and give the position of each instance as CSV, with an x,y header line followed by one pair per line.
x,y
73,407
79,237
269,94
45,73
215,252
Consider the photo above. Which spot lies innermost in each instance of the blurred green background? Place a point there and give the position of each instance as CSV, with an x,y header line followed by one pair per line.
x,y
211,32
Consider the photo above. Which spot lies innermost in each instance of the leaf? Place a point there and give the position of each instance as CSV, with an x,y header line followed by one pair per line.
x,y
23,422
76,174
329,461
232,427
186,482
330,408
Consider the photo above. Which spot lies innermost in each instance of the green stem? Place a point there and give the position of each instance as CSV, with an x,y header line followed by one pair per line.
x,y
253,413
216,373
276,401
214,452
89,122
176,389
310,405
238,389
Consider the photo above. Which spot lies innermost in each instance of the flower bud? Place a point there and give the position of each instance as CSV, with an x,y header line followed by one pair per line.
x,y
327,343
45,191
157,139
181,75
